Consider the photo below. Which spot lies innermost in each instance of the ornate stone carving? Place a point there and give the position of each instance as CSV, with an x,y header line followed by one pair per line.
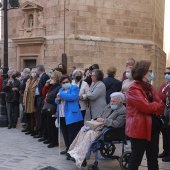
x,y
40,19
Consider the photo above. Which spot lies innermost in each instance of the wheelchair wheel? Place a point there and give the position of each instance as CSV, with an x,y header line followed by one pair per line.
x,y
94,166
124,160
107,150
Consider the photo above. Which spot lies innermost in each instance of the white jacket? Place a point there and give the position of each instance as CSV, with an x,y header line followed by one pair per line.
x,y
83,90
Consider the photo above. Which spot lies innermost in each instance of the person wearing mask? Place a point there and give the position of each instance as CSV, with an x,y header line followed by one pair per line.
x,y
112,84
42,78
97,94
88,79
11,88
28,102
114,115
84,88
129,63
50,90
69,113
163,93
126,83
143,108
25,76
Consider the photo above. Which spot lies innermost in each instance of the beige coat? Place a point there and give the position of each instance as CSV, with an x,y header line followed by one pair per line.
x,y
29,96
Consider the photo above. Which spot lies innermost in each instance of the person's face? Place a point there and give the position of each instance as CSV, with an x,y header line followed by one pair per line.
x,y
148,74
114,101
167,71
94,78
54,79
65,81
72,69
39,72
129,63
128,70
78,73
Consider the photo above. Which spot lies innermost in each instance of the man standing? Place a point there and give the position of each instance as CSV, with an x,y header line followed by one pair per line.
x,y
163,93
129,63
26,75
43,77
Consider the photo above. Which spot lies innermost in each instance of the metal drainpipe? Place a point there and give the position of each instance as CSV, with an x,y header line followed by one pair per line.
x,y
157,67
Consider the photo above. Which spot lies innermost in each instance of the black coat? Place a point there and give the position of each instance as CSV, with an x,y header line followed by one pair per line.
x,y
11,96
112,85
23,84
42,82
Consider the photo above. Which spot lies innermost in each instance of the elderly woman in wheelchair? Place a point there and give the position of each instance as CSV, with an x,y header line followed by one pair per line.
x,y
113,116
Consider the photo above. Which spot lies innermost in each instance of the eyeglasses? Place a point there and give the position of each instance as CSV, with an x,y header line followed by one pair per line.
x,y
150,71
65,82
167,73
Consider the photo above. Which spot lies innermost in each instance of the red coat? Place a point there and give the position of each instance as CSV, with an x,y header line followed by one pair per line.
x,y
139,111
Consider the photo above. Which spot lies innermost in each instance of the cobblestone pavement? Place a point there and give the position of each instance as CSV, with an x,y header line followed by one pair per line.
x,y
22,152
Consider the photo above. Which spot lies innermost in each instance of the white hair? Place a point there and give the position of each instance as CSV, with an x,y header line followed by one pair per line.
x,y
10,71
120,96
26,70
77,70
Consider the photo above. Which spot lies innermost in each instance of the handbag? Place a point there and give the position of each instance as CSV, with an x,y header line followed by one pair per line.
x,y
93,124
49,108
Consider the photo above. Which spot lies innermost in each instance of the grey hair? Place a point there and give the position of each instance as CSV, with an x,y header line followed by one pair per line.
x,y
77,70
41,68
10,71
99,74
33,69
26,70
120,96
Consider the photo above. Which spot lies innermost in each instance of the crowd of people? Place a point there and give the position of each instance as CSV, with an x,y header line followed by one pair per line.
x,y
56,99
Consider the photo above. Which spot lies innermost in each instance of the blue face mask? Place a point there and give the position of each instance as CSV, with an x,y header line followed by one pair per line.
x,y
114,107
128,75
167,76
151,77
66,85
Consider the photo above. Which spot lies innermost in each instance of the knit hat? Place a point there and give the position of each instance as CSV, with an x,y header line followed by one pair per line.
x,y
56,75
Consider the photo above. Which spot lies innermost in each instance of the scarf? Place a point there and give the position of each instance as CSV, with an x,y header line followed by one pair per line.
x,y
147,87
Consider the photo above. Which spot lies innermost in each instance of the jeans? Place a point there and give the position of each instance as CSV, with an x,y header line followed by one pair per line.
x,y
13,113
139,146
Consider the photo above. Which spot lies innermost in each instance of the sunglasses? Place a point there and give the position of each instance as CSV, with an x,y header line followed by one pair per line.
x,y
167,73
65,82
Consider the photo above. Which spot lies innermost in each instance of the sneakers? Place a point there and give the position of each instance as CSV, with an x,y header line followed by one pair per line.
x,y
128,145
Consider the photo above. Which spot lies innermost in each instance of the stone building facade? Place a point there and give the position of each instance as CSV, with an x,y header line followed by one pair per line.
x,y
106,32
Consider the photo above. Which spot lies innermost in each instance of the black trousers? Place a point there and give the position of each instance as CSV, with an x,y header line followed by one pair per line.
x,y
69,131
166,140
139,146
52,130
13,112
83,112
39,100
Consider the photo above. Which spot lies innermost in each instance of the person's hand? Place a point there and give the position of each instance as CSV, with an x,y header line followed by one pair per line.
x,y
100,120
14,89
58,96
48,82
80,97
9,81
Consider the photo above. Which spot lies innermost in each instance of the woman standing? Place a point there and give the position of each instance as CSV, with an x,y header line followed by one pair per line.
x,y
11,88
84,88
142,117
29,100
97,94
50,90
68,111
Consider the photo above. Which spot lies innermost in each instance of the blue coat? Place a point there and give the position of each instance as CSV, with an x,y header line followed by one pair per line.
x,y
71,108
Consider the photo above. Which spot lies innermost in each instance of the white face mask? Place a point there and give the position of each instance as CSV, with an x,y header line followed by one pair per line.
x,y
33,74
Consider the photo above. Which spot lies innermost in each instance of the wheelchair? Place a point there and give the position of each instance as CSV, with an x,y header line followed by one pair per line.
x,y
105,144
